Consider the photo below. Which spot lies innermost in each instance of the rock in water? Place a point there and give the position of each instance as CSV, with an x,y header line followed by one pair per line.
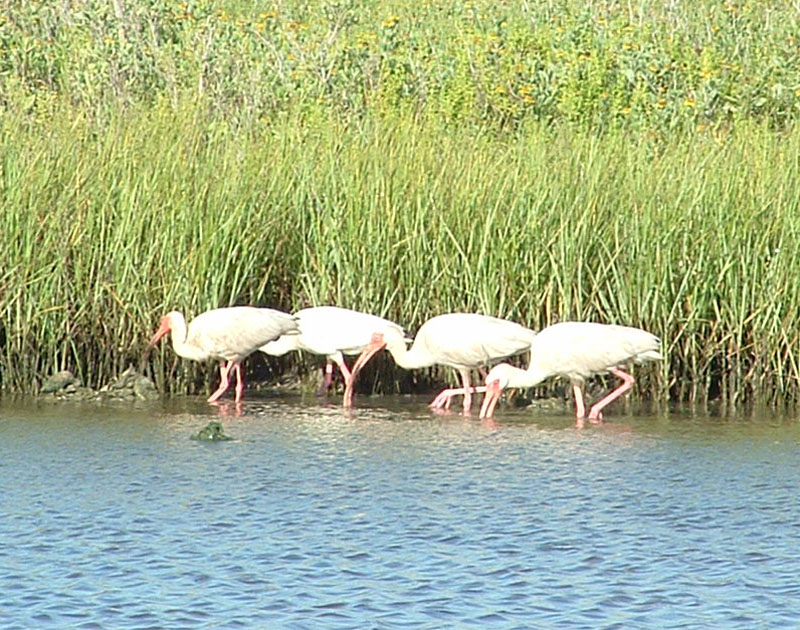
x,y
64,385
144,389
212,432
130,384
58,381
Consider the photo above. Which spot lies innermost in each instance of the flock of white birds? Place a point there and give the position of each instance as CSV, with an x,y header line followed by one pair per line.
x,y
464,341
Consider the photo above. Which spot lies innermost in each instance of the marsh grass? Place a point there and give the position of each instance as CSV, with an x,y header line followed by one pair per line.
x,y
694,237
627,162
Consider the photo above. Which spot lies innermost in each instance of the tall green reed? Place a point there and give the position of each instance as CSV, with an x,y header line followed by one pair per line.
x,y
693,237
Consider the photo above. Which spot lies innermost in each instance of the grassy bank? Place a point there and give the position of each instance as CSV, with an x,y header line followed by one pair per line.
x,y
622,162
106,229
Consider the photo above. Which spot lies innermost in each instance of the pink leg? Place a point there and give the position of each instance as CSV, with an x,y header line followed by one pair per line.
x,y
467,391
239,382
443,398
327,379
348,376
580,409
223,380
595,414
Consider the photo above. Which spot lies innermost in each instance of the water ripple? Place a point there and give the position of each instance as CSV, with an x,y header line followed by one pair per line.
x,y
388,517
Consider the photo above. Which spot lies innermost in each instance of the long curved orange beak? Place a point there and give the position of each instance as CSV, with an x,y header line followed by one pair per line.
x,y
163,329
493,391
376,343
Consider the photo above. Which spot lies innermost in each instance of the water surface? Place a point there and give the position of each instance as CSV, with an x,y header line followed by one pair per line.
x,y
389,516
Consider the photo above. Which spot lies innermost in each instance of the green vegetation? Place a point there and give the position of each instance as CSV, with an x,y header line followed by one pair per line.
x,y
626,162
643,64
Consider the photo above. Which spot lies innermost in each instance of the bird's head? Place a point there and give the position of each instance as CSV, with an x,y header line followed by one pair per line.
x,y
497,380
376,343
164,327
499,376
391,338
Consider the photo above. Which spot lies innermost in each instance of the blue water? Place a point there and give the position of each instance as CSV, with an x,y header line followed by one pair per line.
x,y
391,517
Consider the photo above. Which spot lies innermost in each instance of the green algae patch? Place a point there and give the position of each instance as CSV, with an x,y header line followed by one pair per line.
x,y
212,432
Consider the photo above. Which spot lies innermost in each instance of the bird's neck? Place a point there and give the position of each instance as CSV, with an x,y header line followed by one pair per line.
x,y
282,345
406,358
180,345
529,377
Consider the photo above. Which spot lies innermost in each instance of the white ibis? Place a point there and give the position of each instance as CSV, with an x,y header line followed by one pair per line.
x,y
332,331
463,341
228,335
576,350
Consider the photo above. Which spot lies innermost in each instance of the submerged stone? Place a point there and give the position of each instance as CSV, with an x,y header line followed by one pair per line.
x,y
129,385
144,389
212,432
64,385
59,381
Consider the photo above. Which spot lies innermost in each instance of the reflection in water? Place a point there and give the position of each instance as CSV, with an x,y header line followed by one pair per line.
x,y
389,516
228,409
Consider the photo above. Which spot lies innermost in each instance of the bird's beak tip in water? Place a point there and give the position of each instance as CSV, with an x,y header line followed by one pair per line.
x,y
493,391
